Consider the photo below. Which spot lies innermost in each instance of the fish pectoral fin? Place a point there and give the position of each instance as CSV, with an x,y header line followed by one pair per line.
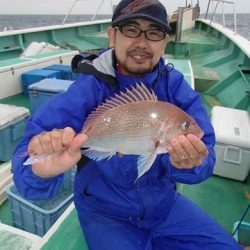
x,y
97,155
144,162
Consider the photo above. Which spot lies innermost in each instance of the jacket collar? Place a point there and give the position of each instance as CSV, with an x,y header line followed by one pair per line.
x,y
105,63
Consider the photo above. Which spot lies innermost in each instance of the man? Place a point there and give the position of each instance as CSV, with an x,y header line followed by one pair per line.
x,y
115,212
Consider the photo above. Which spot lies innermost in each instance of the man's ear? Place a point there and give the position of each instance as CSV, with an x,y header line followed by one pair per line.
x,y
111,36
166,40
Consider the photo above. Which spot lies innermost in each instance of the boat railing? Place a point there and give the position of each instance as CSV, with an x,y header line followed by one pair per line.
x,y
222,2
93,17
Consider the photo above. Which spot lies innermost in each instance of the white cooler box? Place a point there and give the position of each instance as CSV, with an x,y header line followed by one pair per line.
x,y
232,131
12,124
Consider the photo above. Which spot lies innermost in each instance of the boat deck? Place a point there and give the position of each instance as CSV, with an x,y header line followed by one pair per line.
x,y
221,68
216,61
68,236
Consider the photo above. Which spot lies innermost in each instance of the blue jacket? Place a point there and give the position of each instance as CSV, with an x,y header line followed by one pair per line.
x,y
107,186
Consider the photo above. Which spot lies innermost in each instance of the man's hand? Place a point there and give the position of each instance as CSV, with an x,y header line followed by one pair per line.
x,y
63,147
187,151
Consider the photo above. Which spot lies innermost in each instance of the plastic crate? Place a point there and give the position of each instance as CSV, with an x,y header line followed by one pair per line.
x,y
37,75
12,124
43,90
65,71
38,216
242,235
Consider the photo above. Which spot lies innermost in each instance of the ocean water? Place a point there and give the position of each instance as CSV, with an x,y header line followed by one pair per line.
x,y
242,23
30,21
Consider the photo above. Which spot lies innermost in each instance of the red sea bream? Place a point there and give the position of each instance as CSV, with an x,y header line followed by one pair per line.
x,y
135,123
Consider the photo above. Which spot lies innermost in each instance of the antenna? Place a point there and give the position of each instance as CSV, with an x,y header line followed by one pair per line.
x,y
66,16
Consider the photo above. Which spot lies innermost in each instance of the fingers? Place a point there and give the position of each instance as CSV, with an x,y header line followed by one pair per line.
x,y
50,142
76,144
187,151
56,140
63,148
198,144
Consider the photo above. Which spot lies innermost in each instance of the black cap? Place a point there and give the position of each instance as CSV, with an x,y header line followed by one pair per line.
x,y
151,10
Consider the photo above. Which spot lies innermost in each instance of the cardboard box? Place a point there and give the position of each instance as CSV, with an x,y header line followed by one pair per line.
x,y
232,131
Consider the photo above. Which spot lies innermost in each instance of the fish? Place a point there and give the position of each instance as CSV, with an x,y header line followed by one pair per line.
x,y
135,122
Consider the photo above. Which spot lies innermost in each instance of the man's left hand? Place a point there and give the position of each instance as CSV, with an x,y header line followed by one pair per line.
x,y
187,151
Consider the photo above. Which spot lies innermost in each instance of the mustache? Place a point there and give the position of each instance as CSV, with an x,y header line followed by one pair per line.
x,y
140,51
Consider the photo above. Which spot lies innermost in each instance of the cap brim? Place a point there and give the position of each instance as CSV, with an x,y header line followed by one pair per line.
x,y
125,18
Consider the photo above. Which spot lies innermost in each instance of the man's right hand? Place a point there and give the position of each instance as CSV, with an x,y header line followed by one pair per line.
x,y
64,148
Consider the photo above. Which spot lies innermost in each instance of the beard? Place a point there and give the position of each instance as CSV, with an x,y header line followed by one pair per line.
x,y
138,62
137,70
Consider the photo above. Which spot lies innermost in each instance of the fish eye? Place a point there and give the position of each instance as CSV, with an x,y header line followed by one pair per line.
x,y
185,125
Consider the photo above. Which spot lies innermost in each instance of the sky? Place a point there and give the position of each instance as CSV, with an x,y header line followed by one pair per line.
x,y
89,6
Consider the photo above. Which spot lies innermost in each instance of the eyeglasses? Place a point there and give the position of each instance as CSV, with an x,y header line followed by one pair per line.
x,y
133,31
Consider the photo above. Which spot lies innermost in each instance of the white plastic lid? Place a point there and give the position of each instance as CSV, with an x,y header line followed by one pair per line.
x,y
232,126
51,85
9,113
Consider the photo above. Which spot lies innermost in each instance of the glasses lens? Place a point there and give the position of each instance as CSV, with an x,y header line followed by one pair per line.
x,y
134,31
155,35
130,31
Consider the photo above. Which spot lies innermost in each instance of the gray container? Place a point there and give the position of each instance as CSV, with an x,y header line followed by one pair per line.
x,y
38,216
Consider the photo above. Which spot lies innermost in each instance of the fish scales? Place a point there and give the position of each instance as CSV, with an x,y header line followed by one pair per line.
x,y
128,127
135,123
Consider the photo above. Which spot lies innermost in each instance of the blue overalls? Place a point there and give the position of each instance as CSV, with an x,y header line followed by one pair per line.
x,y
114,212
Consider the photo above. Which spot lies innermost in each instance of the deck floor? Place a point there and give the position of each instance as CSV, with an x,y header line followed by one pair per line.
x,y
68,236
224,199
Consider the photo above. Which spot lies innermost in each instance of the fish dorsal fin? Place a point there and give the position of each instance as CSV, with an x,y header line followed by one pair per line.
x,y
136,94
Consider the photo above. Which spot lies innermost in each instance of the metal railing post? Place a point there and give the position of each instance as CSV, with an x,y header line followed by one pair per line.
x,y
223,13
66,16
179,24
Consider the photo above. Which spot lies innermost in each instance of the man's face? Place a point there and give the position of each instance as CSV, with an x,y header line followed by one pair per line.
x,y
139,55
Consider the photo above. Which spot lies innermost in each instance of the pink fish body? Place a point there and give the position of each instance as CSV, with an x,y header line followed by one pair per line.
x,y
135,123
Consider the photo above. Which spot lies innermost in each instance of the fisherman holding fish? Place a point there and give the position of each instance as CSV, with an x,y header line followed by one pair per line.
x,y
141,136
